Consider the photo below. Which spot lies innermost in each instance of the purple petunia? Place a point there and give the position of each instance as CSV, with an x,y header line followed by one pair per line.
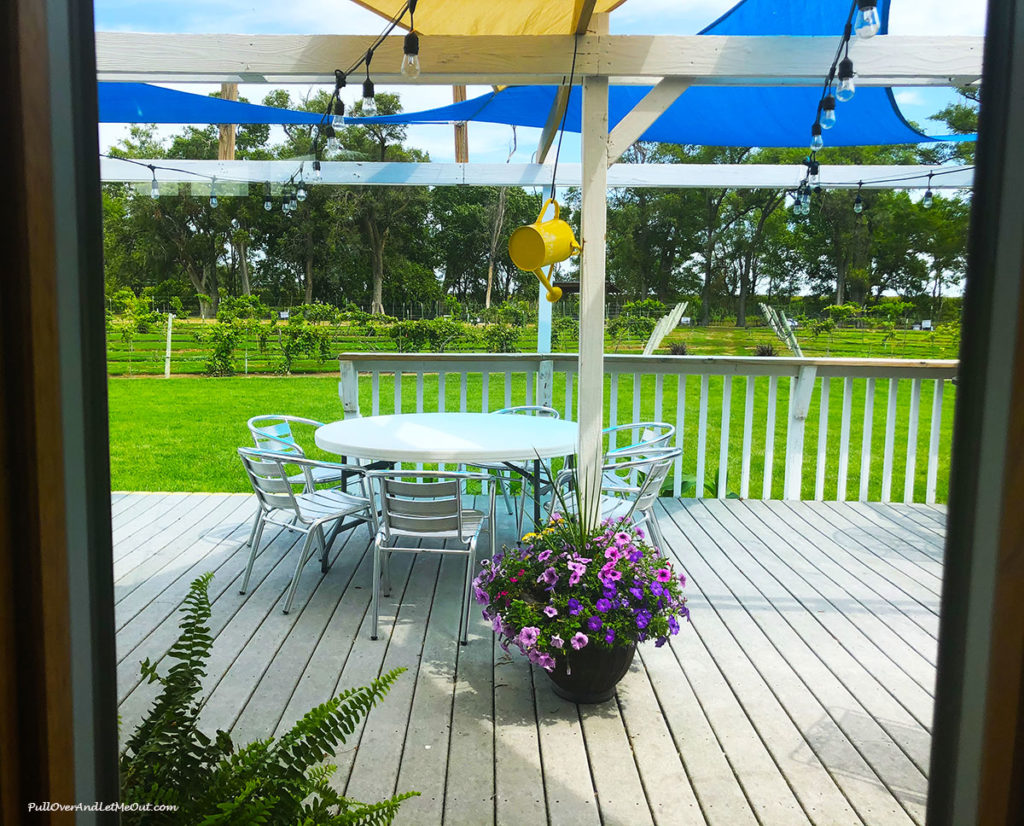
x,y
673,624
658,643
548,577
557,641
594,623
622,538
528,636
497,624
546,661
579,640
550,611
481,596
574,606
643,618
637,591
609,636
682,580
544,556
603,605
613,554
657,589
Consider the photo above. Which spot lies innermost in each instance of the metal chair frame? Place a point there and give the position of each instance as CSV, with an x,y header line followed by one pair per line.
x,y
428,510
649,471
306,512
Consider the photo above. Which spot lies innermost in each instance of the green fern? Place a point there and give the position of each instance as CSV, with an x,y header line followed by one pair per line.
x,y
168,760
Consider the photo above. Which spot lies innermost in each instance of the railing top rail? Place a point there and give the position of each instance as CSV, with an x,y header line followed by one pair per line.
x,y
637,363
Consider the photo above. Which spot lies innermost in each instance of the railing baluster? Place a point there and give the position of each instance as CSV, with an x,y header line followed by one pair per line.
x,y
398,391
613,408
637,394
748,430
819,472
844,439
442,396
865,447
890,437
723,442
702,434
419,392
801,389
463,380
485,386
915,409
933,443
677,480
375,393
769,439
659,393
529,387
508,388
569,412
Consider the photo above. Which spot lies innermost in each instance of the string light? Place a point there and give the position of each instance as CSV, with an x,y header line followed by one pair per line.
x,y
300,193
293,201
267,203
846,88
817,142
813,171
867,22
828,112
858,202
411,57
368,94
154,188
213,194
316,170
928,198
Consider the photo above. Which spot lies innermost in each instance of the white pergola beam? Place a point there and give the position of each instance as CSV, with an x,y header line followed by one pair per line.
x,y
703,60
582,11
662,176
642,116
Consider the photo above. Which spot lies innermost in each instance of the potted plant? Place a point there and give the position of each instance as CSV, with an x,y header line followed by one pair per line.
x,y
576,601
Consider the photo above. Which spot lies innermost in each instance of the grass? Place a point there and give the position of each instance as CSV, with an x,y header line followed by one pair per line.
x,y
181,434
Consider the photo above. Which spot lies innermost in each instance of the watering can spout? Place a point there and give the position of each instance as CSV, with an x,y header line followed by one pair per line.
x,y
543,244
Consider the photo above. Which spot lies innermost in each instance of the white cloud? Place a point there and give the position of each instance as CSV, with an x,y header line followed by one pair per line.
x,y
908,97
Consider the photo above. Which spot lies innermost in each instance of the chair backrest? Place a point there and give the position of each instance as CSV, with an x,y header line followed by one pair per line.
x,y
641,437
429,506
274,433
530,410
269,479
646,474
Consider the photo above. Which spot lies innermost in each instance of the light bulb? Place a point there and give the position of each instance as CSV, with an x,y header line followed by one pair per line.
x,y
368,92
316,171
154,188
338,120
267,205
858,204
213,194
214,203
828,112
928,201
817,142
411,60
867,22
846,88
300,193
293,202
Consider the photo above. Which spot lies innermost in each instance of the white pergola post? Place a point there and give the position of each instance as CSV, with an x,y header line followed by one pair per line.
x,y
593,224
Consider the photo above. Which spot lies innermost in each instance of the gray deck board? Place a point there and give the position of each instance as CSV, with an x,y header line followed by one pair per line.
x,y
801,692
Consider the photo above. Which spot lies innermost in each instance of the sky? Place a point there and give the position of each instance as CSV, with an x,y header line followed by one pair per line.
x,y
489,143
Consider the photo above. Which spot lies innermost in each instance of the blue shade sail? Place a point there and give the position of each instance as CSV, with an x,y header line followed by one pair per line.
x,y
142,103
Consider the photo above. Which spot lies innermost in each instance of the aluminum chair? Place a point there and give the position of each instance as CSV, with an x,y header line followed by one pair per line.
x,y
274,433
306,512
621,496
429,508
642,437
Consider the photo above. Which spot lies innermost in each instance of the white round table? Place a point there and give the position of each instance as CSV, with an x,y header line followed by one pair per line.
x,y
458,438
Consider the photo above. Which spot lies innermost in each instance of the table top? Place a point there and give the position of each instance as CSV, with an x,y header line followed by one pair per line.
x,y
450,437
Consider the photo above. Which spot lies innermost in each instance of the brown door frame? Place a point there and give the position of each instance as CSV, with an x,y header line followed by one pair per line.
x,y
58,708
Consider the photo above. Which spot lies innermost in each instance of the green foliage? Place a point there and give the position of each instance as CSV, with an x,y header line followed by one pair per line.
x,y
427,335
242,306
500,338
646,307
452,307
766,350
839,313
168,760
176,306
319,312
631,326
565,330
516,313
225,336
303,339
122,301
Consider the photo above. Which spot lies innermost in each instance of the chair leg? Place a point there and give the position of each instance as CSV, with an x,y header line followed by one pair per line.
x,y
386,571
324,564
375,600
655,531
254,542
257,519
303,558
467,590
503,486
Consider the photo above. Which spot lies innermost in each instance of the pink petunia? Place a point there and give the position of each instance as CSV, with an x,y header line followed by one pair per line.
x,y
579,640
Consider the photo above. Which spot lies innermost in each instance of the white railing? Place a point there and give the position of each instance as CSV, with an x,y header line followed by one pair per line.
x,y
801,418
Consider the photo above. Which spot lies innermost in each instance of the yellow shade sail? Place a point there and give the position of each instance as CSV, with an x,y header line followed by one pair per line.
x,y
483,17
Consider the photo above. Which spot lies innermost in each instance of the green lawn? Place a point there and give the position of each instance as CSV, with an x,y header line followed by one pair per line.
x,y
181,434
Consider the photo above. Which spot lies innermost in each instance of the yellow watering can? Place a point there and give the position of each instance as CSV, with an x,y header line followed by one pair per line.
x,y
543,244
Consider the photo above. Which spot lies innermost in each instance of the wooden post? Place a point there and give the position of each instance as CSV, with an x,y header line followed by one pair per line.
x,y
167,355
590,409
348,390
461,128
226,144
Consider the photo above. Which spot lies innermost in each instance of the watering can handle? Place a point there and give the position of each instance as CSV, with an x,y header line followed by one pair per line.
x,y
544,209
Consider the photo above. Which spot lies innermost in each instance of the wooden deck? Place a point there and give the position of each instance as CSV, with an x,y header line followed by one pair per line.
x,y
801,693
